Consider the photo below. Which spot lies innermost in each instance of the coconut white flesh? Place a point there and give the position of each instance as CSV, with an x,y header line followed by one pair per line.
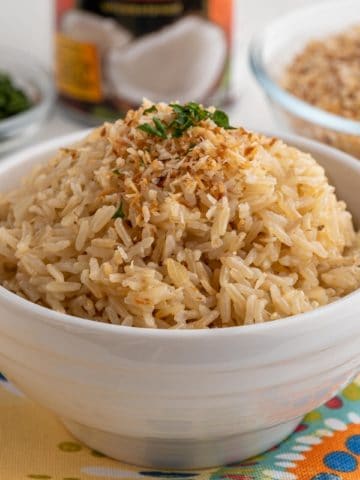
x,y
183,61
105,33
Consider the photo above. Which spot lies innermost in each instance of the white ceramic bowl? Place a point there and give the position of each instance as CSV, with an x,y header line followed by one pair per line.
x,y
182,399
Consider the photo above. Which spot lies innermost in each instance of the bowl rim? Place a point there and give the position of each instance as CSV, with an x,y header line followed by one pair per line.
x,y
64,320
11,125
288,101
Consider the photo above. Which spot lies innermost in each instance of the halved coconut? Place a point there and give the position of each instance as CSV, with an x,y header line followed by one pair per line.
x,y
183,61
87,27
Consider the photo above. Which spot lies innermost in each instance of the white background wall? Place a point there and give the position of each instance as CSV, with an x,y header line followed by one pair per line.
x,y
28,25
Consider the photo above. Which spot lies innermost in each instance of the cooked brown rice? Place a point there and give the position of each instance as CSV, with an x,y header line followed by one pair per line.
x,y
220,228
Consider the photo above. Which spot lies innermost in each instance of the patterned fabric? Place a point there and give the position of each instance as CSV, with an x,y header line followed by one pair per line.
x,y
34,445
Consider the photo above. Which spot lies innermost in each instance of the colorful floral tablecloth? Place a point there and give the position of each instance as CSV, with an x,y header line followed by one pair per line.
x,y
34,445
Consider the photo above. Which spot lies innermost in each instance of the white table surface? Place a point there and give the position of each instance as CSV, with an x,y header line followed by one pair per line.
x,y
34,33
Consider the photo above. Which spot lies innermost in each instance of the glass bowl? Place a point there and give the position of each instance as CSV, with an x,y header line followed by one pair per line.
x,y
33,79
274,48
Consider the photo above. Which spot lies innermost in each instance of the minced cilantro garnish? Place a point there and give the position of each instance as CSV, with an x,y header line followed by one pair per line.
x,y
12,99
151,109
221,119
153,129
119,212
185,116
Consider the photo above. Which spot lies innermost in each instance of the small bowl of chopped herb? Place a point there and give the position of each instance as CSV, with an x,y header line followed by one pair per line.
x,y
26,97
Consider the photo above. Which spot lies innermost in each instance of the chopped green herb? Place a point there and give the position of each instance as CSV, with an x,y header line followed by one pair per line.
x,y
119,212
116,171
160,126
150,110
150,130
186,116
12,99
191,110
221,119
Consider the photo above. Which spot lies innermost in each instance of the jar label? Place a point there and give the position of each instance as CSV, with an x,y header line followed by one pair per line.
x,y
78,73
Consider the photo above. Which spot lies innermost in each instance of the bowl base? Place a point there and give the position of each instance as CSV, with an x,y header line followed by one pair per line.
x,y
181,454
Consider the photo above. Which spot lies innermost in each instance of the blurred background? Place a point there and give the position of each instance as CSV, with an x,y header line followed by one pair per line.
x,y
30,26
34,21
